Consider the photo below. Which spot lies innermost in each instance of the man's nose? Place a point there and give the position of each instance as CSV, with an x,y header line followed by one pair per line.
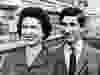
x,y
69,28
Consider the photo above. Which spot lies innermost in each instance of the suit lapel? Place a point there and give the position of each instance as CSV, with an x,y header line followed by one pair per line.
x,y
83,57
32,53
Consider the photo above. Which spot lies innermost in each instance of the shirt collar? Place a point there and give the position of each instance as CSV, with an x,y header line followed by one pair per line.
x,y
78,45
32,53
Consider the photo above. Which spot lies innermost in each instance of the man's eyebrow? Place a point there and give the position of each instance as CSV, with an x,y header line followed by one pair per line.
x,y
33,26
63,23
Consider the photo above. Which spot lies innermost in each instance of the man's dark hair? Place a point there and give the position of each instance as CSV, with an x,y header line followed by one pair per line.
x,y
39,14
72,12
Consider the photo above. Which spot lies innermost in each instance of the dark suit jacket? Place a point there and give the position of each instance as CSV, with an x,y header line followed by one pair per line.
x,y
91,57
56,56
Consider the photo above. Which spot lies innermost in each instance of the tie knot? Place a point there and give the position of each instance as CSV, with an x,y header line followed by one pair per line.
x,y
70,43
71,46
73,49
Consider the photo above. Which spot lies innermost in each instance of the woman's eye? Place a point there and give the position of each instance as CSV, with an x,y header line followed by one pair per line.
x,y
33,26
25,26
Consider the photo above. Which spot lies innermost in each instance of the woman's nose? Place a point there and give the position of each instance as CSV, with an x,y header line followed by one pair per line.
x,y
28,30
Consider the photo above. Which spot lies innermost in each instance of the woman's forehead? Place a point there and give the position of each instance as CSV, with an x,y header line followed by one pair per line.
x,y
31,20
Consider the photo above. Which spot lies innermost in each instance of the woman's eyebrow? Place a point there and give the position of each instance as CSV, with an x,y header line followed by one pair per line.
x,y
33,26
4,17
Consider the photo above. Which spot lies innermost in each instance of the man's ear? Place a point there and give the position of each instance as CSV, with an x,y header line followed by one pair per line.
x,y
83,32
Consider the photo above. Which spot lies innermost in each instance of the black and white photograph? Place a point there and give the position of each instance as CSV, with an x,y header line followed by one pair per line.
x,y
49,37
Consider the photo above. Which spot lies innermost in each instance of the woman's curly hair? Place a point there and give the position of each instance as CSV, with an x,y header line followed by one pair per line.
x,y
73,12
39,14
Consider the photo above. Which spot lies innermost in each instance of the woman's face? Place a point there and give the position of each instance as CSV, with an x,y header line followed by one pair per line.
x,y
31,29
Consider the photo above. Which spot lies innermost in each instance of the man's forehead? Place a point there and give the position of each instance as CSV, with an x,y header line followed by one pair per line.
x,y
30,20
69,18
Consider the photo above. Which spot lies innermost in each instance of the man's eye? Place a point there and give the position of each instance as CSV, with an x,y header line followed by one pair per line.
x,y
72,24
11,17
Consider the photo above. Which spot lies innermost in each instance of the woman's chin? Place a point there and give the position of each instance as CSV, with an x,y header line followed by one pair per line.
x,y
31,42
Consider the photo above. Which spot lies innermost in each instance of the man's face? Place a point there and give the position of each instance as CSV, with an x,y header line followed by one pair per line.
x,y
31,29
72,26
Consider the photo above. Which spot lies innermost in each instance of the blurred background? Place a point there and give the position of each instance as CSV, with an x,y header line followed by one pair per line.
x,y
53,7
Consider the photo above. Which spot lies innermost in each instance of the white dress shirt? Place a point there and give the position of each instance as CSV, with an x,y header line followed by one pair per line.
x,y
32,53
78,46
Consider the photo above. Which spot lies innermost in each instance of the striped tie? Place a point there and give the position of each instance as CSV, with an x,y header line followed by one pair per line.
x,y
65,70
72,67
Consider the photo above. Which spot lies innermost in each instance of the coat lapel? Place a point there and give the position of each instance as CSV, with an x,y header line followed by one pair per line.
x,y
88,56
32,53
83,57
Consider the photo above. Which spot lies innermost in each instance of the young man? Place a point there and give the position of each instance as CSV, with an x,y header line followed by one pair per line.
x,y
74,22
